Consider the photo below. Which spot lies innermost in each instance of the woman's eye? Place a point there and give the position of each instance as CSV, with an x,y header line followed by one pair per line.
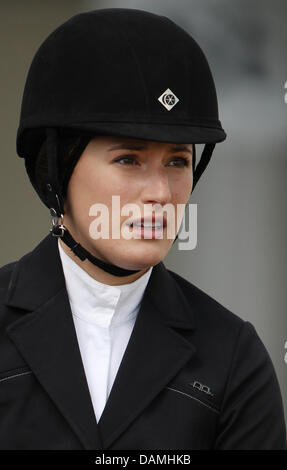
x,y
127,160
180,162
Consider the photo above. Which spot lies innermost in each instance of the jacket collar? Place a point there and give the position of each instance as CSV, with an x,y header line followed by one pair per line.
x,y
98,303
45,336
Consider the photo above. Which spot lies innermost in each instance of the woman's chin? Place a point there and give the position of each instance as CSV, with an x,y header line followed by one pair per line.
x,y
139,259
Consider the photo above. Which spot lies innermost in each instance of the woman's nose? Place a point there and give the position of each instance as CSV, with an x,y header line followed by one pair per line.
x,y
157,188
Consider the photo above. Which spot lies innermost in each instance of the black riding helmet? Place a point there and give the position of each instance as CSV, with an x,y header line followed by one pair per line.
x,y
113,71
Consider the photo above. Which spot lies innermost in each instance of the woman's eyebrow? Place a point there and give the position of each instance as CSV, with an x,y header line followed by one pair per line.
x,y
175,148
180,148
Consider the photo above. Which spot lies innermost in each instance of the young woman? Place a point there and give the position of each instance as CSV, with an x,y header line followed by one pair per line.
x,y
102,347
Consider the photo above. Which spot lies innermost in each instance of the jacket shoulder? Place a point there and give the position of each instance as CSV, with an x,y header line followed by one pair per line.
x,y
5,279
9,272
208,309
5,275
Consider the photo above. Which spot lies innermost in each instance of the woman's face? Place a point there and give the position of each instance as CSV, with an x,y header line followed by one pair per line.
x,y
139,172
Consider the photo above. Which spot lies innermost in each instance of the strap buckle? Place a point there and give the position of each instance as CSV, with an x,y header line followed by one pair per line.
x,y
57,228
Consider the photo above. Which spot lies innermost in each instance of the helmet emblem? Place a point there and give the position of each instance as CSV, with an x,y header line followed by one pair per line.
x,y
168,99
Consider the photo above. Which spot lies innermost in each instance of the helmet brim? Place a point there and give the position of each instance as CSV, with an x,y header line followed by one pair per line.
x,y
29,140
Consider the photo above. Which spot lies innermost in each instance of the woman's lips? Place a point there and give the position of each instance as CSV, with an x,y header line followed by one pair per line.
x,y
148,227
155,222
147,232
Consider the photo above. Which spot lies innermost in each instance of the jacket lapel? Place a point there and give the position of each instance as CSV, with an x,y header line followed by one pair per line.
x,y
47,340
154,355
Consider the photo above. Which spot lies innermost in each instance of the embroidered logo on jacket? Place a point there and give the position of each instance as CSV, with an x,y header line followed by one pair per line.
x,y
201,387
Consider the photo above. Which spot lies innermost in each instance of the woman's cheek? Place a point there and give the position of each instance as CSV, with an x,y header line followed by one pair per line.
x,y
185,188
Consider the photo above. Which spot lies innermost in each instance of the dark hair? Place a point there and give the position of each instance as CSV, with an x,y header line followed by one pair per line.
x,y
69,150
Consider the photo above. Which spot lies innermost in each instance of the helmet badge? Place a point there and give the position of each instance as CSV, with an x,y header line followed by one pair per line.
x,y
168,99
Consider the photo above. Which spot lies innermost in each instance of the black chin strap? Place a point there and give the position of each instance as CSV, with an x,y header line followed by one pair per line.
x,y
56,204
202,164
200,167
83,254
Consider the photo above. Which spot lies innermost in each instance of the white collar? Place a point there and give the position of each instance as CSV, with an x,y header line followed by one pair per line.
x,y
96,302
